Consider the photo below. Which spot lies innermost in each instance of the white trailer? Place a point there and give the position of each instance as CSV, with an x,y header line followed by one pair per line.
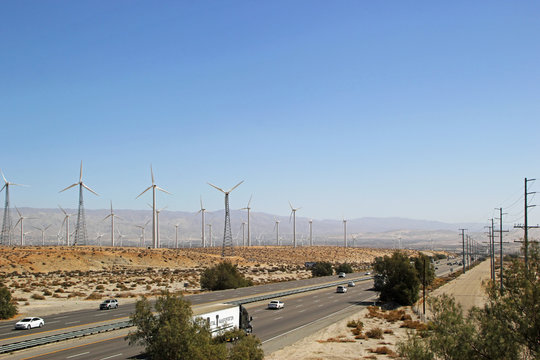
x,y
223,317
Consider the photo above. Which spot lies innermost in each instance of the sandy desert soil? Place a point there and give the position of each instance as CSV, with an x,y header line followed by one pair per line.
x,y
338,342
44,279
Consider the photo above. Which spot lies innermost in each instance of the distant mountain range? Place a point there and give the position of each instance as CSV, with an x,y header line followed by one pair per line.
x,y
368,231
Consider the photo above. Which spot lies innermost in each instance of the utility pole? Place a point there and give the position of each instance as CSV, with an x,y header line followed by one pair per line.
x,y
463,246
490,254
500,231
526,226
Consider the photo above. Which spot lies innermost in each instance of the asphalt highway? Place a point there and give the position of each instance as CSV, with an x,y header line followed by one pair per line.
x,y
300,311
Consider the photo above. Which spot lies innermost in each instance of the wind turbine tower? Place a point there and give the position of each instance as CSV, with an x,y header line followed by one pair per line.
x,y
210,234
310,232
244,233
293,215
203,244
112,215
154,187
345,232
227,247
142,227
42,229
80,229
176,234
249,229
21,220
66,220
5,238
276,227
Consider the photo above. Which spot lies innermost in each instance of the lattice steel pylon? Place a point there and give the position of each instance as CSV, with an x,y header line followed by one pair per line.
x,y
81,237
5,237
227,247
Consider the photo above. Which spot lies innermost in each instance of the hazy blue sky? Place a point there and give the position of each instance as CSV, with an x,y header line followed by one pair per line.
x,y
418,109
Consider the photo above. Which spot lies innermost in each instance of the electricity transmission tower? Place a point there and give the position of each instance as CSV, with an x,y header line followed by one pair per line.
x,y
81,237
5,238
526,226
227,247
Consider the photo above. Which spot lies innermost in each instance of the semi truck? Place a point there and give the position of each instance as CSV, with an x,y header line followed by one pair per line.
x,y
223,317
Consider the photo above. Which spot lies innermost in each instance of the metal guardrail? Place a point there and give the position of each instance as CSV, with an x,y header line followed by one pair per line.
x,y
126,323
294,291
65,336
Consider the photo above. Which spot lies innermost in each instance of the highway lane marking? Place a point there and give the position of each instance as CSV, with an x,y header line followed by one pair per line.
x,y
100,314
73,347
300,311
320,305
64,328
310,323
52,322
72,356
73,322
110,357
278,318
61,317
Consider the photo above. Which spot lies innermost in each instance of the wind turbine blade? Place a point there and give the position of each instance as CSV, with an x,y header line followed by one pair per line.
x,y
163,190
119,217
108,216
92,191
214,186
151,207
19,184
45,229
146,223
18,212
249,202
290,205
152,173
111,207
80,176
201,203
64,211
234,187
290,217
298,208
163,208
3,177
36,228
148,188
69,187
3,187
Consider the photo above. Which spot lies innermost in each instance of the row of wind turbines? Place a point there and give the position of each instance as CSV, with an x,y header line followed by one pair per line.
x,y
80,235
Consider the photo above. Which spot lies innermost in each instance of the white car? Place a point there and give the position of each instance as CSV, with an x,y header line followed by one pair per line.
x,y
341,275
367,273
351,284
29,322
341,289
276,304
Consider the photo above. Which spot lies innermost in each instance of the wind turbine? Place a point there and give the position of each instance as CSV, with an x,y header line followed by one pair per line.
x,y
244,233
293,215
112,215
98,238
310,232
21,220
66,220
276,227
227,236
154,187
202,228
120,237
42,229
249,229
176,238
344,232
5,238
80,229
142,227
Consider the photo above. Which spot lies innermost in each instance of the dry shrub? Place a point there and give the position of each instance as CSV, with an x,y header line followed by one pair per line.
x,y
94,296
335,340
361,336
375,333
36,296
355,323
383,350
410,324
76,294
100,287
388,331
47,292
395,315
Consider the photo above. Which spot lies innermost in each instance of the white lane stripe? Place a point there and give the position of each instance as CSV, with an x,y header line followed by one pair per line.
x,y
73,322
279,317
110,357
310,323
61,317
72,356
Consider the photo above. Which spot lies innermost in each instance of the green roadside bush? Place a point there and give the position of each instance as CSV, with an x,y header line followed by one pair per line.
x,y
7,308
345,268
322,268
223,276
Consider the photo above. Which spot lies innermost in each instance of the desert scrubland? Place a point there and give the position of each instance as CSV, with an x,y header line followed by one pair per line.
x,y
44,278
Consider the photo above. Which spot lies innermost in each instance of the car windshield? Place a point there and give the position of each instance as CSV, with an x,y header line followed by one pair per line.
x,y
26,320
